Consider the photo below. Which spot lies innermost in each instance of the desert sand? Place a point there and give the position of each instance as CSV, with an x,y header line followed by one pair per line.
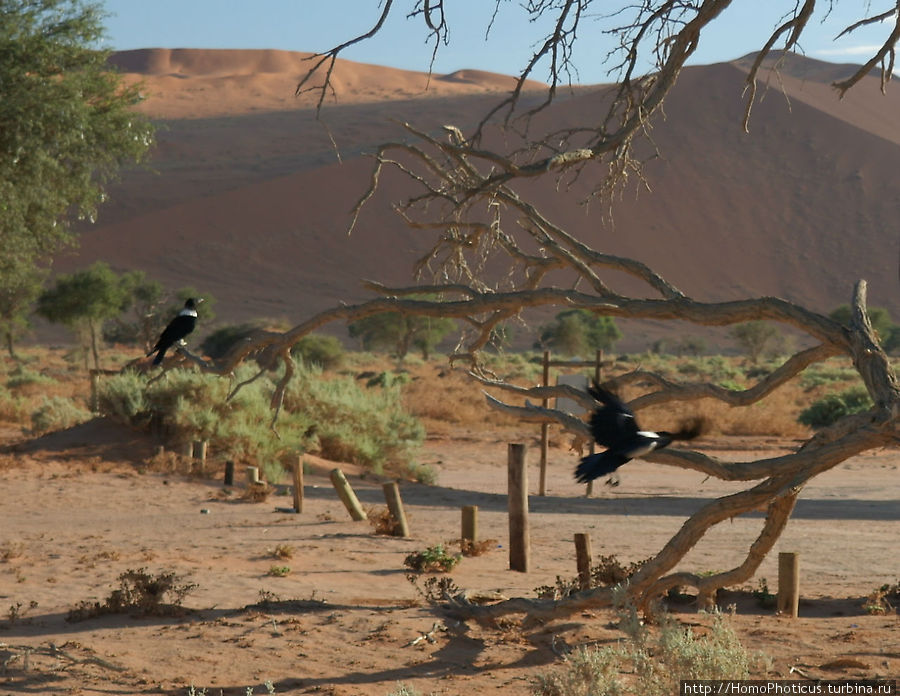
x,y
83,506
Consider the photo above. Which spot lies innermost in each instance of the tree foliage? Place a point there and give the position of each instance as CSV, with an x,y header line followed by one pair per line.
x,y
84,300
579,332
754,337
66,127
399,332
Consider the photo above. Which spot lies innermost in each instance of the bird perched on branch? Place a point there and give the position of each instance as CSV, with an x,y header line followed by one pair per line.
x,y
613,426
177,329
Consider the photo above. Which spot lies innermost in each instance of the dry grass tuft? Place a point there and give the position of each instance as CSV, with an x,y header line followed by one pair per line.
x,y
257,492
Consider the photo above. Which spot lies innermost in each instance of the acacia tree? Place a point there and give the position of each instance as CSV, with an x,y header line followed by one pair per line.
x,y
462,191
66,126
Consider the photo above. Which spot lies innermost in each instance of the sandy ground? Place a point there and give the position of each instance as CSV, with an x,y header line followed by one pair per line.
x,y
79,509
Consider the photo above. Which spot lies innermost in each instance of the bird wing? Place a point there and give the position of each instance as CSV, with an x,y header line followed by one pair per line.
x,y
177,329
613,422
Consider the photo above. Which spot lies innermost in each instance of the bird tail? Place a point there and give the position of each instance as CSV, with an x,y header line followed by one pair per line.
x,y
597,465
690,429
159,357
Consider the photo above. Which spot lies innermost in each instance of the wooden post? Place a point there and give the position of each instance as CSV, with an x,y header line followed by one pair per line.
x,y
199,453
470,523
252,475
788,584
347,496
297,472
545,429
517,494
395,505
229,473
583,560
187,450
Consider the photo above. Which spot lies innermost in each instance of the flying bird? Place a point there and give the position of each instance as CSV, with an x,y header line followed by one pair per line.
x,y
613,426
177,329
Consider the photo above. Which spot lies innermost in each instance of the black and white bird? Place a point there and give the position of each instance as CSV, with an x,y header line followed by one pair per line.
x,y
177,329
613,426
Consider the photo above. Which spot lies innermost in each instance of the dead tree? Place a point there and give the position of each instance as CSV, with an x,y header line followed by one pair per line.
x,y
495,255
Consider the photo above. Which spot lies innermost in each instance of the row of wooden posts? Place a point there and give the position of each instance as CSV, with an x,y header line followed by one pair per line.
x,y
517,503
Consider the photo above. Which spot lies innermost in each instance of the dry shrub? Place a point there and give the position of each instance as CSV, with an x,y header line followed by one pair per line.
x,y
257,492
139,593
774,416
442,397
476,548
383,521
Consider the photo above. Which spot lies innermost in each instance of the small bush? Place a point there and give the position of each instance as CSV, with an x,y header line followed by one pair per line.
x,y
22,377
327,352
658,662
57,413
221,340
434,559
832,407
139,593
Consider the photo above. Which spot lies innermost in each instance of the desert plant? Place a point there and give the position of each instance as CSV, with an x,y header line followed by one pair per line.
x,y
763,596
57,413
139,593
606,571
658,660
279,571
327,352
579,332
883,600
753,337
831,407
433,559
217,343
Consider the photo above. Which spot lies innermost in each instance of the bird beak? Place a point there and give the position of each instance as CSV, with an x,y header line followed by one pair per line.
x,y
199,300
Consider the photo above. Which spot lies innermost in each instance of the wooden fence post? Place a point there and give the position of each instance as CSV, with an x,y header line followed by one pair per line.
x,y
517,494
229,473
470,524
583,560
297,473
788,584
252,475
545,429
395,505
198,451
347,496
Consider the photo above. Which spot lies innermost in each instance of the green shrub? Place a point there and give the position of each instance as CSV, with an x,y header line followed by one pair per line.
x,y
339,418
326,352
220,341
657,660
22,376
57,413
831,407
355,424
434,559
122,398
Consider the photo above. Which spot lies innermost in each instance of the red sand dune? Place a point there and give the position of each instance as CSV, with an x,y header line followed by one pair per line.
x,y
249,202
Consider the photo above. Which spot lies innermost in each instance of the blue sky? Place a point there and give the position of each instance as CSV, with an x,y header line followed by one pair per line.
x,y
317,25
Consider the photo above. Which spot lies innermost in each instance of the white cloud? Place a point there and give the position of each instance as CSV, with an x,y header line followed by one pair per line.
x,y
869,50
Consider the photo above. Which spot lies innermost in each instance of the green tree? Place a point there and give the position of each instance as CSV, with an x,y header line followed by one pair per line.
x,y
84,300
20,285
66,127
753,337
579,332
400,332
884,327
